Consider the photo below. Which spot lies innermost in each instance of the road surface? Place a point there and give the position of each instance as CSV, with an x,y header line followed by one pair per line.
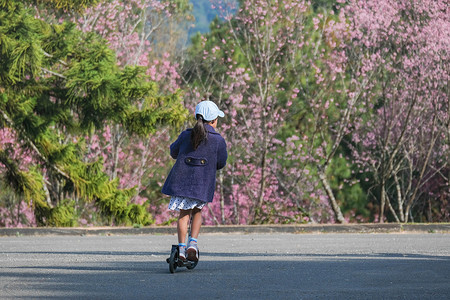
x,y
232,266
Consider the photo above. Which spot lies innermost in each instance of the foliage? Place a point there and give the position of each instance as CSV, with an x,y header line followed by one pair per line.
x,y
336,111
58,85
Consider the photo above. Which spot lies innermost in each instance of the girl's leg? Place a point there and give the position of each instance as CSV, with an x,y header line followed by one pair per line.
x,y
192,251
182,225
196,222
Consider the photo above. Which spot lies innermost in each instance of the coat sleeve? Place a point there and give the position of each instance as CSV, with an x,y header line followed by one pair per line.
x,y
222,154
175,147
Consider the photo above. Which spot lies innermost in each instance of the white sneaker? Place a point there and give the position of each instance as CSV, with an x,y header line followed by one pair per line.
x,y
192,252
182,253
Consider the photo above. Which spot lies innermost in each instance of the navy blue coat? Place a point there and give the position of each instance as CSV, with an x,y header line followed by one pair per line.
x,y
194,172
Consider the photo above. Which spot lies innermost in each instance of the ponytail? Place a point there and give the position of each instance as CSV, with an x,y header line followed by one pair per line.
x,y
199,133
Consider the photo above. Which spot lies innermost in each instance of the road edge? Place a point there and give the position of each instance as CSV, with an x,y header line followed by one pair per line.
x,y
234,229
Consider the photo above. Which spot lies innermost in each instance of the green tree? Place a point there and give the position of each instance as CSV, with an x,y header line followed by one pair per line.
x,y
57,85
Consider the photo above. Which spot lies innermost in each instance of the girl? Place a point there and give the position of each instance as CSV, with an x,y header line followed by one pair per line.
x,y
199,153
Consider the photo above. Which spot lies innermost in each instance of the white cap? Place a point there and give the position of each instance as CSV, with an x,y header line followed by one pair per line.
x,y
208,110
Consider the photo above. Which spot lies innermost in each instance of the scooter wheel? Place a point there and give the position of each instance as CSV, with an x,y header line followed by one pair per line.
x,y
173,261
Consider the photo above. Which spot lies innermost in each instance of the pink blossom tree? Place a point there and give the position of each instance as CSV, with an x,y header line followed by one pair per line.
x,y
404,143
262,57
271,66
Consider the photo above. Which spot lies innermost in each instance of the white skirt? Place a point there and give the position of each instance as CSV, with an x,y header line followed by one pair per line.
x,y
177,203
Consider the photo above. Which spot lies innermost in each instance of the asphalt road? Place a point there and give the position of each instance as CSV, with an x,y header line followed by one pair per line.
x,y
232,266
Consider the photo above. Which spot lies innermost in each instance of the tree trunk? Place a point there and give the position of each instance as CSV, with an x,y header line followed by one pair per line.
x,y
222,200
422,171
213,215
235,201
115,132
391,209
262,185
399,198
334,205
429,212
383,201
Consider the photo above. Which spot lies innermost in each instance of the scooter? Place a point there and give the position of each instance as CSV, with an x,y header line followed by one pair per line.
x,y
174,260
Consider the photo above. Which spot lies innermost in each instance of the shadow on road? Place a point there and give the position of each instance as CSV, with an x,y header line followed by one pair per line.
x,y
230,276
233,255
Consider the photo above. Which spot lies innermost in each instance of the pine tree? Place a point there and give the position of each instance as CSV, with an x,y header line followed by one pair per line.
x,y
57,85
